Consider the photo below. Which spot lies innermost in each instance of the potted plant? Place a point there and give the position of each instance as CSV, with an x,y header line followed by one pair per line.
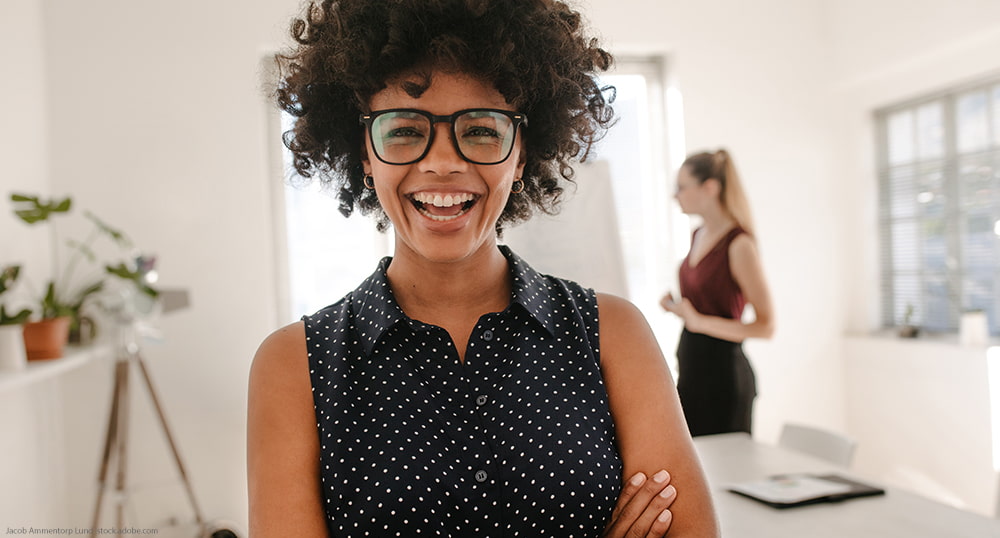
x,y
12,355
907,329
67,292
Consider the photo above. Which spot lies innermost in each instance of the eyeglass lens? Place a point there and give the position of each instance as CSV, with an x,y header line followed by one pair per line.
x,y
481,136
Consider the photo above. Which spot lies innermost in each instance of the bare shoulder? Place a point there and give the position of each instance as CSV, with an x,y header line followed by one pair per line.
x,y
282,350
618,319
628,346
279,374
743,248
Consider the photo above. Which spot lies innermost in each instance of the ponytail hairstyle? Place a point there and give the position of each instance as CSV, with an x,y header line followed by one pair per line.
x,y
719,166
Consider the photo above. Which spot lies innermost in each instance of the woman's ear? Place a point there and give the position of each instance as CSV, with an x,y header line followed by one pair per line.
x,y
522,159
714,186
365,162
519,172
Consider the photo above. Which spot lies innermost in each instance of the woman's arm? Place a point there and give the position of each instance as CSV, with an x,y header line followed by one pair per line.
x,y
649,423
282,443
744,264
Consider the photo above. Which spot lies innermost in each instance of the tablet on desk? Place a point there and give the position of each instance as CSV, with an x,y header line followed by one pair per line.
x,y
786,491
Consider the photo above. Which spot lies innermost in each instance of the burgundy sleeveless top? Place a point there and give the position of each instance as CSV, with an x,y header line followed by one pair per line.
x,y
710,285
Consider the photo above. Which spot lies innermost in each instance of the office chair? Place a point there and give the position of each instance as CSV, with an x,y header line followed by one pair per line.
x,y
825,444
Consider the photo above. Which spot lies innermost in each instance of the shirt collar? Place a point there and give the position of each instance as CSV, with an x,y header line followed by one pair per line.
x,y
531,290
375,310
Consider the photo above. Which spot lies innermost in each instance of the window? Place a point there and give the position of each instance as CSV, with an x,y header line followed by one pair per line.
x,y
939,184
643,150
328,255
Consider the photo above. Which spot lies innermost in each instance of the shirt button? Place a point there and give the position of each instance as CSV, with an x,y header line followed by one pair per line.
x,y
481,476
481,399
488,335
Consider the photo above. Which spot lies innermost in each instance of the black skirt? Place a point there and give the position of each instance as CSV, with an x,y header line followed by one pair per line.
x,y
716,384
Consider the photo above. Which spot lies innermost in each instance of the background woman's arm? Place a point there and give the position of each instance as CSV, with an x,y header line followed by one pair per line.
x,y
745,266
649,423
282,443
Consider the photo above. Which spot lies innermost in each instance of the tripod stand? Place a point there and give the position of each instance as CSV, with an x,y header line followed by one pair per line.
x,y
116,442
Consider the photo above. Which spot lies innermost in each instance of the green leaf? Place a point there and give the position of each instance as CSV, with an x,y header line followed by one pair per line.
x,y
53,306
117,235
32,209
30,216
63,206
122,271
85,293
13,319
8,275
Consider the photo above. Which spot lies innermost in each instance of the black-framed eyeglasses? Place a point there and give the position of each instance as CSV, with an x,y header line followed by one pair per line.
x,y
480,135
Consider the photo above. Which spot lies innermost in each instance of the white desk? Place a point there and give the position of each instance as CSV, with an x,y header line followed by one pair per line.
x,y
735,457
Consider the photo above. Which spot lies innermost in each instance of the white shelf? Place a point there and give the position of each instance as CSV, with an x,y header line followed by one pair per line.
x,y
73,357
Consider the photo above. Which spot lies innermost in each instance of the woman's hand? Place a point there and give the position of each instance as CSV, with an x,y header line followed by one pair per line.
x,y
668,303
684,310
643,507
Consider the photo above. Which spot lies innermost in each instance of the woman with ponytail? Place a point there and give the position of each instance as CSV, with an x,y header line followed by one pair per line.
x,y
719,277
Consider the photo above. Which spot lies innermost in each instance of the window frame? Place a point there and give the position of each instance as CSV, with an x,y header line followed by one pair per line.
x,y
948,164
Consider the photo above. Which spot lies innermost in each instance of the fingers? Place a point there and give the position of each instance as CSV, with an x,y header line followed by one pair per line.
x,y
661,525
656,518
643,507
629,491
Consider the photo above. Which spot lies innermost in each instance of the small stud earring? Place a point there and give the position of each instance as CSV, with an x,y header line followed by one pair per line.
x,y
369,182
517,187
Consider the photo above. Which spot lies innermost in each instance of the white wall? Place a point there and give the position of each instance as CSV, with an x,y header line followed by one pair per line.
x,y
922,411
156,123
24,167
24,158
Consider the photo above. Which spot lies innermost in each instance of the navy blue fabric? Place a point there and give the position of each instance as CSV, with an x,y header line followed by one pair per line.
x,y
517,441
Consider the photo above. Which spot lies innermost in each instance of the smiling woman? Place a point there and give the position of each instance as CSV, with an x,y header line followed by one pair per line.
x,y
456,390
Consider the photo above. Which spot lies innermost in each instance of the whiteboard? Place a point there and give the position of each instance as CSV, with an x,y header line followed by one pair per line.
x,y
581,243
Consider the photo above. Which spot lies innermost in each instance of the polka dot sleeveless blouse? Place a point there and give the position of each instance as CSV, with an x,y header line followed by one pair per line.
x,y
517,441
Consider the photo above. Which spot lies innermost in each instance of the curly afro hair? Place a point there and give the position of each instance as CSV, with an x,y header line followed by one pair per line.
x,y
533,51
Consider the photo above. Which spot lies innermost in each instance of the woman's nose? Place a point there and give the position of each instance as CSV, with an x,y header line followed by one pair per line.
x,y
442,157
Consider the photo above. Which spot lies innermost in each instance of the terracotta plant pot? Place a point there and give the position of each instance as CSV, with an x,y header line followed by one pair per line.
x,y
45,339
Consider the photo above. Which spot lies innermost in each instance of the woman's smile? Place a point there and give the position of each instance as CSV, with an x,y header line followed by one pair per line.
x,y
443,207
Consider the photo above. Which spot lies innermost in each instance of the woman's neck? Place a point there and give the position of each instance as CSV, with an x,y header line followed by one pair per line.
x,y
716,220
434,291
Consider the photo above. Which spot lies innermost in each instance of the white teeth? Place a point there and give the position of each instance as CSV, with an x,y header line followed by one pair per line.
x,y
438,200
440,218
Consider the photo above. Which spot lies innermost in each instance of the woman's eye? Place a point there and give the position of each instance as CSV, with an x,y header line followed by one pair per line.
x,y
481,132
403,136
403,132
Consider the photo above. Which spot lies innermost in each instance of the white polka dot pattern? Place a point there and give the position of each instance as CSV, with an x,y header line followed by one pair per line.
x,y
517,441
